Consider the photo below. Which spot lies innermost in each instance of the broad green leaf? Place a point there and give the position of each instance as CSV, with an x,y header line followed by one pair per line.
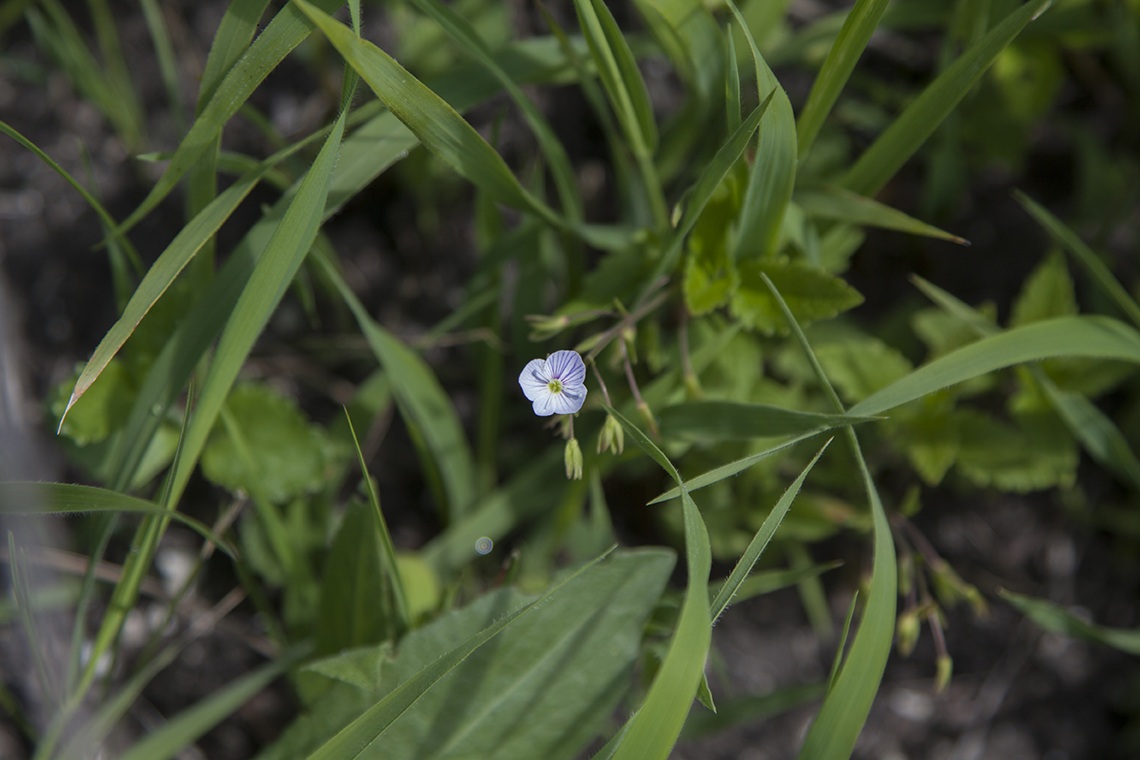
x,y
839,205
1055,618
1096,432
423,402
859,366
34,498
849,44
653,730
1033,455
561,658
429,117
1085,256
902,139
811,293
353,612
774,169
288,455
710,277
287,30
1047,292
730,420
759,543
1097,337
185,728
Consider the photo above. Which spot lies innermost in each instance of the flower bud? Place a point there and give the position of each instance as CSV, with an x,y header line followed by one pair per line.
x,y
612,437
573,460
944,669
907,631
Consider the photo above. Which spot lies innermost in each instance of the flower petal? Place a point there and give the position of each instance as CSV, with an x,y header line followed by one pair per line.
x,y
544,403
569,401
568,367
534,379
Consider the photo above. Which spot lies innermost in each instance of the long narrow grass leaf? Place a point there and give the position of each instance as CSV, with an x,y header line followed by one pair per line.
x,y
430,118
287,30
839,205
1092,337
773,172
185,728
425,405
1055,618
840,720
653,730
849,44
909,131
1084,255
35,498
760,541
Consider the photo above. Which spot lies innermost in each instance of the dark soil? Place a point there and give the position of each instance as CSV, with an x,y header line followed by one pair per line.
x,y
1017,693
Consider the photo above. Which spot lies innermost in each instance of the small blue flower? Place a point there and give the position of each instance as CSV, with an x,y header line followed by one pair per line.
x,y
556,384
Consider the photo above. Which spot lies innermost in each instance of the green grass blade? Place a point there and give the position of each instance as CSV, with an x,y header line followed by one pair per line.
x,y
706,185
839,205
759,542
111,709
1084,255
774,172
909,131
105,217
423,402
234,34
164,271
388,549
849,44
558,162
729,420
840,720
287,30
35,498
627,94
184,729
653,730
621,79
690,36
267,284
1093,337
1054,618
167,58
725,471
430,118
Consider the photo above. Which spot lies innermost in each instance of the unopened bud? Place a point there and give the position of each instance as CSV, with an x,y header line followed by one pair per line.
x,y
907,630
944,670
612,437
573,460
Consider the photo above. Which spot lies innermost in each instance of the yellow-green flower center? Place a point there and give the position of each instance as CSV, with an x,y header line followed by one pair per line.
x,y
555,386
